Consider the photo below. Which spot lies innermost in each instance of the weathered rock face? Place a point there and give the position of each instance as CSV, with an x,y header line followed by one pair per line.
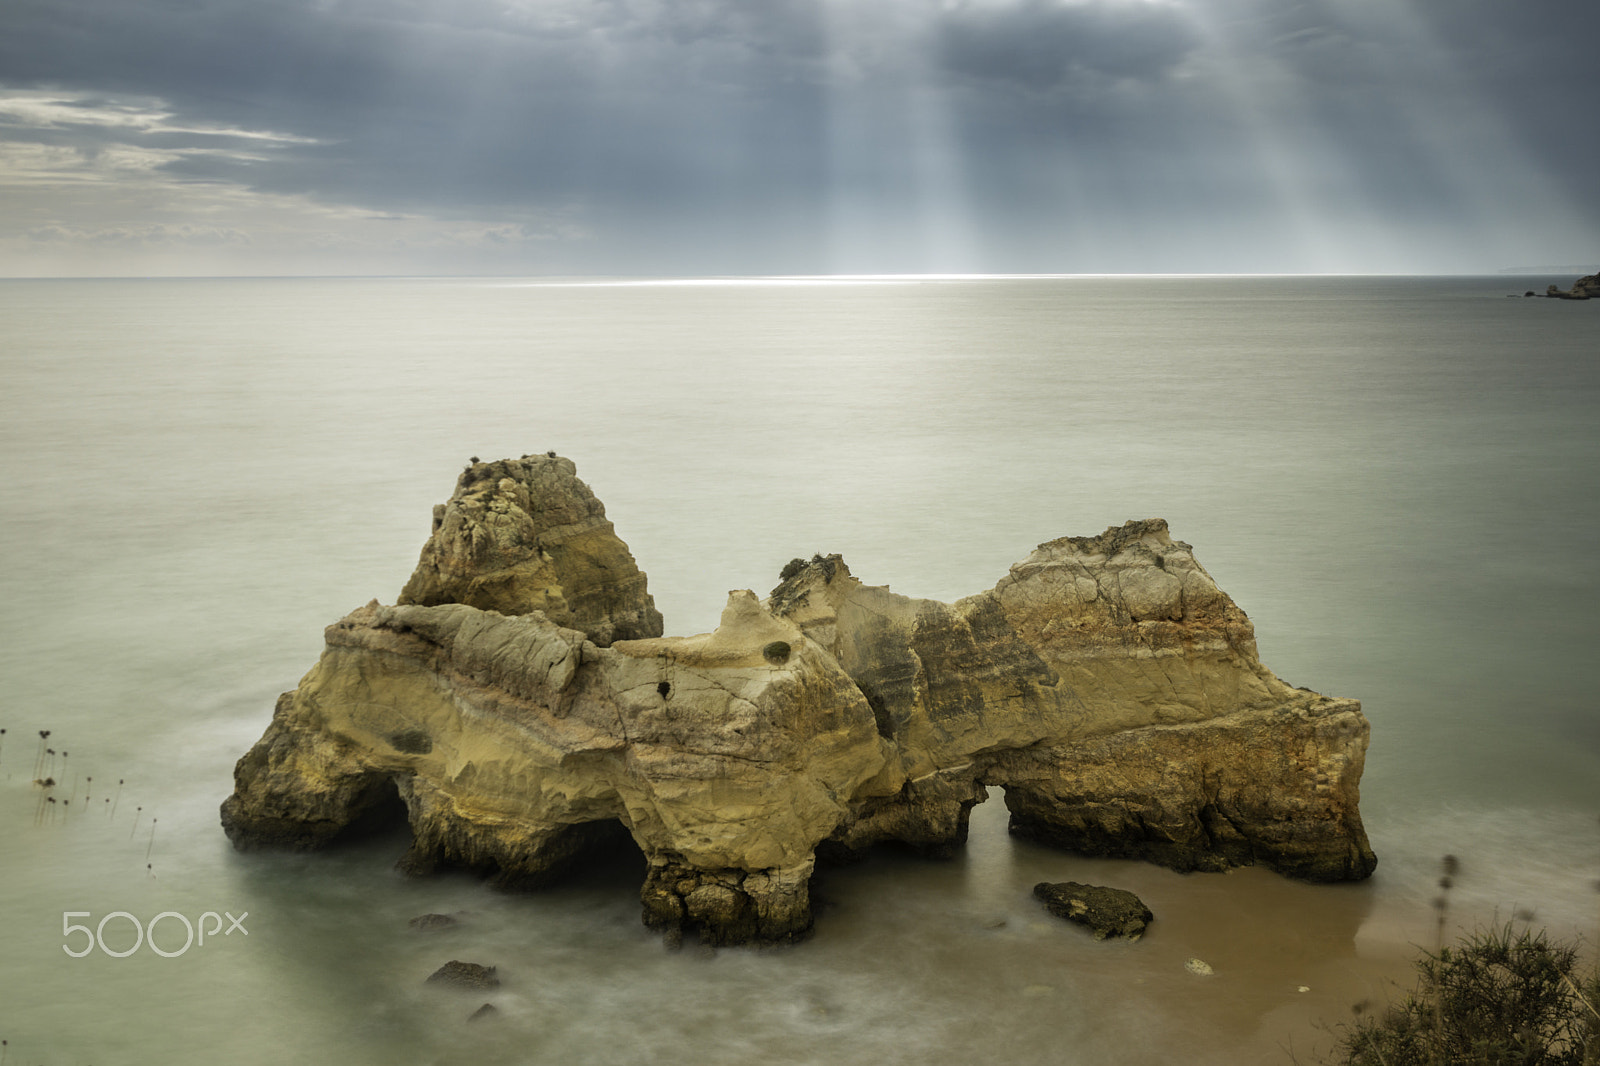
x,y
522,535
515,743
1114,692
1106,684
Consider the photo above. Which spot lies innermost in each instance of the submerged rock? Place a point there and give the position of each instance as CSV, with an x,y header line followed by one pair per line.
x,y
518,710
1108,911
464,975
426,923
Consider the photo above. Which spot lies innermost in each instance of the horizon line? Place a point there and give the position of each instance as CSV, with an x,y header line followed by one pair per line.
x,y
621,279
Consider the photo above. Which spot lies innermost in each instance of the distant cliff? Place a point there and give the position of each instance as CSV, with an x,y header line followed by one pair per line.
x,y
1585,288
520,703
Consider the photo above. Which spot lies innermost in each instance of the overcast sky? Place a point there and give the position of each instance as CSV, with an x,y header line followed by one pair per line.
x,y
796,136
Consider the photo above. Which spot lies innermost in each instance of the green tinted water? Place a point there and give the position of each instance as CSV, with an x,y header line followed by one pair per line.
x,y
1396,478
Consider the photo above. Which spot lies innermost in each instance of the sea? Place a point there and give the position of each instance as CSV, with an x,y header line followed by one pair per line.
x,y
1397,478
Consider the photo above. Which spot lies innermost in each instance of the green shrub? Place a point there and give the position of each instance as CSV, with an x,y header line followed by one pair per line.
x,y
1497,998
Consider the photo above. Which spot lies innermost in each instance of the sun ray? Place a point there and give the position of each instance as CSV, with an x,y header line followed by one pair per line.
x,y
895,163
1472,192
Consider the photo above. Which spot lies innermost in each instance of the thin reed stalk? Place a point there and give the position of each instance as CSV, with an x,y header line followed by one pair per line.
x,y
38,756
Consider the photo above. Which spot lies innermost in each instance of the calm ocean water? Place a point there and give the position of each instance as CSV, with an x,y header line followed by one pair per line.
x,y
1397,478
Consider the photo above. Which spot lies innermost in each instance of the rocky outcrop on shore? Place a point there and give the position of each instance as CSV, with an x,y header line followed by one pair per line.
x,y
521,708
1585,288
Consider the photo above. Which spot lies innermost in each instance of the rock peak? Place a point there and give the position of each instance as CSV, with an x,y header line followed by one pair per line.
x,y
523,535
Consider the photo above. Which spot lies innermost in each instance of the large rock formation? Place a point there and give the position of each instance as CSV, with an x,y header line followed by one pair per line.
x,y
521,705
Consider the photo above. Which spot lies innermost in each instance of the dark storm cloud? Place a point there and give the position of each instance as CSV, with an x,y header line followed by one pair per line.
x,y
748,118
1389,81
1043,45
449,102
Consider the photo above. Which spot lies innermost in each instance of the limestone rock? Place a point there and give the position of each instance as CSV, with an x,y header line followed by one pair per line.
x,y
1115,693
1108,911
1277,786
521,535
1106,684
725,768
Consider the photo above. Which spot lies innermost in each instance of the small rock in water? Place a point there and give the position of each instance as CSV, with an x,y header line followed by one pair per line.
x,y
1108,911
1195,966
428,922
465,975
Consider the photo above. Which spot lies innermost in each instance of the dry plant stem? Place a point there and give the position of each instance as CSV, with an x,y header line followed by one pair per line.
x,y
1578,992
1492,997
1449,867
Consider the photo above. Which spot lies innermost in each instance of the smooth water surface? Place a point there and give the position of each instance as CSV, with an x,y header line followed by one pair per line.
x,y
1395,477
